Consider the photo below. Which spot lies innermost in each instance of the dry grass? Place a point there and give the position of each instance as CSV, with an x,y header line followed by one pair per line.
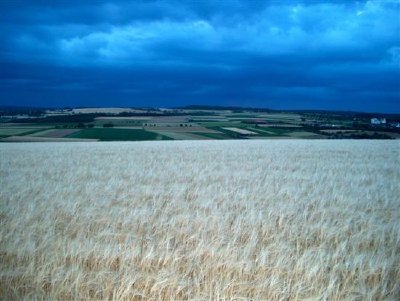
x,y
204,220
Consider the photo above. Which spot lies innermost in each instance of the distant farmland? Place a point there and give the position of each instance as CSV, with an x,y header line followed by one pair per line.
x,y
125,124
200,220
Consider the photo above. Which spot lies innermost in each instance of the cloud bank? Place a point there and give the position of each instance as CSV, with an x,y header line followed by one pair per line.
x,y
280,54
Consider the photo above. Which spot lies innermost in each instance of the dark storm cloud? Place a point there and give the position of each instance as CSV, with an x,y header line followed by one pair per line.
x,y
279,54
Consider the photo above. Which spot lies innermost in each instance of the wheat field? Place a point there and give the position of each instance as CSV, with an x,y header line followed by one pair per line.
x,y
200,220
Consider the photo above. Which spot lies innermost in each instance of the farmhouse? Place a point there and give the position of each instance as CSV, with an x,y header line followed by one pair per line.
x,y
378,121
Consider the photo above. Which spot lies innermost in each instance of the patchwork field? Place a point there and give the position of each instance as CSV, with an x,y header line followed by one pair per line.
x,y
200,220
105,124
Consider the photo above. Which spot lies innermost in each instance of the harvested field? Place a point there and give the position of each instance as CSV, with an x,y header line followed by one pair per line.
x,y
55,133
200,220
240,131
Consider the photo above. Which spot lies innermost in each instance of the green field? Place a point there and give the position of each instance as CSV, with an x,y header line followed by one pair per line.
x,y
107,134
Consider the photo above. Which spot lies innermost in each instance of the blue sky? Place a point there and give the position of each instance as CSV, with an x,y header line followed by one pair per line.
x,y
337,55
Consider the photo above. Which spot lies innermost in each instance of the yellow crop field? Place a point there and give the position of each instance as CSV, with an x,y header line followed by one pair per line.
x,y
200,220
